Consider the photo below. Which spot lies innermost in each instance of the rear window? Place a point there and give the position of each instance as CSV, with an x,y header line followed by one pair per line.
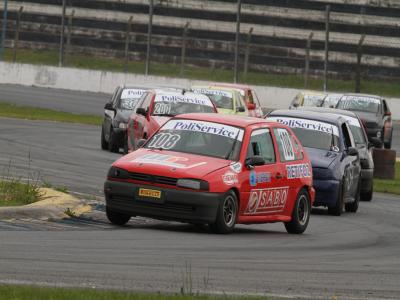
x,y
222,99
173,104
130,97
359,103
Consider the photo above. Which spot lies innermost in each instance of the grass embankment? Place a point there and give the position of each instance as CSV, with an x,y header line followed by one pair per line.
x,y
13,192
47,57
32,113
41,293
389,186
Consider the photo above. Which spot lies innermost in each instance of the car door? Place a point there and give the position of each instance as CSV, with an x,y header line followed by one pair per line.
x,y
263,186
352,167
109,114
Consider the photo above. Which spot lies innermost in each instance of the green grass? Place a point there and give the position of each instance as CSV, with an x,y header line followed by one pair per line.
x,y
43,293
31,113
389,186
14,193
50,57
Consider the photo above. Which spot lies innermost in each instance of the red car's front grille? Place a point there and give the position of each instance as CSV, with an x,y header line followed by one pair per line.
x,y
153,178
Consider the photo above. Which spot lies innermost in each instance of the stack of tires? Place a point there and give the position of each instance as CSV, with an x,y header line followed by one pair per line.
x,y
384,163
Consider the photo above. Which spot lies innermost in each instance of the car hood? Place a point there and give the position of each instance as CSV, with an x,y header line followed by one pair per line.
x,y
321,158
170,164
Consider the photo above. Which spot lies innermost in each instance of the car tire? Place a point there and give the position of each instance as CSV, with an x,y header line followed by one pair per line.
x,y
353,206
300,215
112,143
367,196
226,214
117,218
338,208
104,144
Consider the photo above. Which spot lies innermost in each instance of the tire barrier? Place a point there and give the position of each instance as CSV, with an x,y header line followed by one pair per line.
x,y
385,162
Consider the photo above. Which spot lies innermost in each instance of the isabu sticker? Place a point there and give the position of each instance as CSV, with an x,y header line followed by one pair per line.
x,y
205,127
230,178
267,200
298,171
259,177
166,160
236,167
307,124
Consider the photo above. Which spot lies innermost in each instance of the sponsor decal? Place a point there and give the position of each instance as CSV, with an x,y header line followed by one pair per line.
x,y
205,127
307,124
260,177
286,143
298,171
213,92
132,93
195,99
267,200
166,160
230,178
236,167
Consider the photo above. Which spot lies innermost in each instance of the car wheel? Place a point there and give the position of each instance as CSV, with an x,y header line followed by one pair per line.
x,y
338,208
368,195
226,214
112,143
353,206
300,215
104,144
116,217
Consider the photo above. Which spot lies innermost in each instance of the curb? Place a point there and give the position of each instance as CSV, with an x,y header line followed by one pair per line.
x,y
54,205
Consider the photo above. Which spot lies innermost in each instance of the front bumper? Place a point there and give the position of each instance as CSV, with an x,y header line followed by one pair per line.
x,y
174,205
326,192
367,176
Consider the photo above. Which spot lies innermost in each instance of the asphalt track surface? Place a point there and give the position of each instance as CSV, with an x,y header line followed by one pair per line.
x,y
355,256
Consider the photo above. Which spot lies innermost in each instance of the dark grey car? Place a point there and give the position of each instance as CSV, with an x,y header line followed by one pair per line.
x,y
116,115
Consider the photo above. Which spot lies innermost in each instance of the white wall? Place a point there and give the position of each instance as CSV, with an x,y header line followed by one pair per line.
x,y
100,81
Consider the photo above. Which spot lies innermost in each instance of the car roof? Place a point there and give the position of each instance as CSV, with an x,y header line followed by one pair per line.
x,y
361,95
214,87
329,110
233,120
133,86
232,85
332,118
312,93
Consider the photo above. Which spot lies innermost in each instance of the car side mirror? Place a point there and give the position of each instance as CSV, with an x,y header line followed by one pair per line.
x,y
251,106
352,151
141,111
240,109
141,143
109,106
253,161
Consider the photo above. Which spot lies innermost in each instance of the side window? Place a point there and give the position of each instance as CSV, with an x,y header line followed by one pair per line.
x,y
251,99
114,96
385,107
289,149
347,137
256,100
147,99
261,144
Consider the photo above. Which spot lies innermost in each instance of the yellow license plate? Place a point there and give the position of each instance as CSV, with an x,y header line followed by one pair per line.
x,y
149,193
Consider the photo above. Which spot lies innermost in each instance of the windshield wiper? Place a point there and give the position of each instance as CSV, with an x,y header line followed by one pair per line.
x,y
233,146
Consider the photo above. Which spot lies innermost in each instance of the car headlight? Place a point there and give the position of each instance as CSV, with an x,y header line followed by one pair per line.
x,y
194,184
322,173
117,173
123,125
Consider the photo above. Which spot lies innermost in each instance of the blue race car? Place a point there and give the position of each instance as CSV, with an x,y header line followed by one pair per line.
x,y
335,160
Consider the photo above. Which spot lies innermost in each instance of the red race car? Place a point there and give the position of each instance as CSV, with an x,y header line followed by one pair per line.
x,y
158,106
214,169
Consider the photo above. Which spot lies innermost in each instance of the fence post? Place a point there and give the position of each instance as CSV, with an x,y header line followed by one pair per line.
x,y
17,28
127,41
183,53
358,68
247,53
235,68
3,31
69,33
327,16
149,32
307,60
61,54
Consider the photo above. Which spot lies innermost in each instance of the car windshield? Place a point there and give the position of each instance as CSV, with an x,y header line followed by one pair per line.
x,y
311,133
199,137
130,97
358,103
313,100
331,100
222,99
175,104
